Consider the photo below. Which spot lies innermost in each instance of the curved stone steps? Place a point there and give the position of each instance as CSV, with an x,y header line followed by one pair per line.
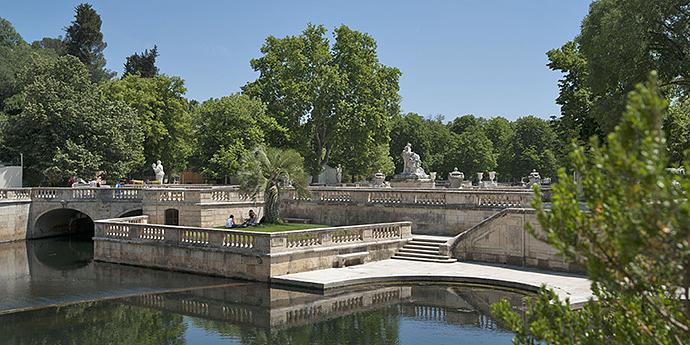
x,y
423,248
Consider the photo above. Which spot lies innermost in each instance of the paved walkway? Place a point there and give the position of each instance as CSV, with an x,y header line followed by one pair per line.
x,y
575,287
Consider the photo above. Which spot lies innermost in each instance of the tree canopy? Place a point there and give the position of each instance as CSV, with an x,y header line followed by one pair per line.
x,y
335,100
162,115
143,64
84,39
64,126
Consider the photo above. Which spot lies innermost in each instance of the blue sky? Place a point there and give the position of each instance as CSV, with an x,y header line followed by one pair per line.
x,y
457,57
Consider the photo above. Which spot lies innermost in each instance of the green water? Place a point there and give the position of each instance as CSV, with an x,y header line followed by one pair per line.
x,y
55,294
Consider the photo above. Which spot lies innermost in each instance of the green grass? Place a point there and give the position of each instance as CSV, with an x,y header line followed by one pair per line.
x,y
279,227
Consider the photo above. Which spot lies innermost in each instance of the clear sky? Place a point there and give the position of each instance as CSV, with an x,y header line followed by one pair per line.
x,y
457,57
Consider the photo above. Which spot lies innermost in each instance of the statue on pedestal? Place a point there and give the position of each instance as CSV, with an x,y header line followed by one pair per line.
x,y
412,164
158,171
379,181
339,174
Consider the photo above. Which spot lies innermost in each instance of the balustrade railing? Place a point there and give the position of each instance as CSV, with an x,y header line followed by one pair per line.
x,y
15,194
370,196
138,229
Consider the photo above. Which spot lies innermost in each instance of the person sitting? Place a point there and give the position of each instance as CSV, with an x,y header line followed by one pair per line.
x,y
253,219
230,222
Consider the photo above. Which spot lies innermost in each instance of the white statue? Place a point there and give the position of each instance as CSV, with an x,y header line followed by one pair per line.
x,y
158,171
379,181
412,164
339,174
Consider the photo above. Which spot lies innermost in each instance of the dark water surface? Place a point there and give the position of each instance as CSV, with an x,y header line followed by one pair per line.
x,y
56,271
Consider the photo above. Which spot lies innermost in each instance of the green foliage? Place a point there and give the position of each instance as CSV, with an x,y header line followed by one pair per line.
x,y
471,152
466,123
59,114
336,101
163,116
270,171
14,53
622,40
677,130
531,147
632,239
143,64
84,39
226,130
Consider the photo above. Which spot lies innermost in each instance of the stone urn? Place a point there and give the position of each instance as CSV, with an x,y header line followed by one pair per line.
x,y
480,177
492,179
455,178
379,180
534,178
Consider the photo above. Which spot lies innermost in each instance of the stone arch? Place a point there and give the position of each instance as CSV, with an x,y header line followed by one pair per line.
x,y
131,213
62,221
172,216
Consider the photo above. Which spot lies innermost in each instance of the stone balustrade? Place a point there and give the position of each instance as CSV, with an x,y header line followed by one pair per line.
x,y
431,197
137,229
83,194
15,194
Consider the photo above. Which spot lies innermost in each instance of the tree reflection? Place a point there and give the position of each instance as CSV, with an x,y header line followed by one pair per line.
x,y
100,323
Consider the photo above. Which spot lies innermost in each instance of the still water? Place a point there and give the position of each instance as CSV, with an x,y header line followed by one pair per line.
x,y
52,292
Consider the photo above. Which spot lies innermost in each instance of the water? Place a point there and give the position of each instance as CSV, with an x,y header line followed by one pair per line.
x,y
56,294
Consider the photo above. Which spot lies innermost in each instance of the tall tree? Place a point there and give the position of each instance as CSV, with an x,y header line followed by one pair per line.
x,y
331,99
163,115
64,126
84,40
227,129
632,239
466,123
14,52
430,138
143,64
622,40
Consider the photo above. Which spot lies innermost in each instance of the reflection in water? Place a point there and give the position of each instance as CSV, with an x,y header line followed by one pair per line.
x,y
61,270
253,313
236,313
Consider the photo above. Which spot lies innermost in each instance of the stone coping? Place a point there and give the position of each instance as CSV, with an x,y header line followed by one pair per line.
x,y
571,286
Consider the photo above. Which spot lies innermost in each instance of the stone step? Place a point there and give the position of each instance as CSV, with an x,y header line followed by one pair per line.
x,y
422,247
421,255
416,250
448,260
428,238
424,243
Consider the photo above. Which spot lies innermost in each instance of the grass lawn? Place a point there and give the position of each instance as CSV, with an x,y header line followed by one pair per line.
x,y
279,227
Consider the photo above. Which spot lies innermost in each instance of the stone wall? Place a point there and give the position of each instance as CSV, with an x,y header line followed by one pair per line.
x,y
503,239
240,253
14,219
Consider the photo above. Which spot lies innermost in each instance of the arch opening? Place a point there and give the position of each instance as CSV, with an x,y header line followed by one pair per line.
x,y
172,216
63,221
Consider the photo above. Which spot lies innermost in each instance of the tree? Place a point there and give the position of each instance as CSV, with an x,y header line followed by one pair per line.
x,y
632,239
622,40
677,130
163,116
336,101
84,40
269,171
471,152
500,131
466,123
531,147
14,53
143,65
226,130
58,117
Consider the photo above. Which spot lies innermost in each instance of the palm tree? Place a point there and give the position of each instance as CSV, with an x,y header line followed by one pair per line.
x,y
271,170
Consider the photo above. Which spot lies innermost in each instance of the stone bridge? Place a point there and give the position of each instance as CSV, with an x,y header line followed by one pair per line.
x,y
27,213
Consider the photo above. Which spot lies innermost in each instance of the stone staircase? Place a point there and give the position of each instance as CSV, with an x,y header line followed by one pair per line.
x,y
424,248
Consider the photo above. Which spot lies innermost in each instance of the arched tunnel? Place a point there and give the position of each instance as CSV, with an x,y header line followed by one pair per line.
x,y
63,221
